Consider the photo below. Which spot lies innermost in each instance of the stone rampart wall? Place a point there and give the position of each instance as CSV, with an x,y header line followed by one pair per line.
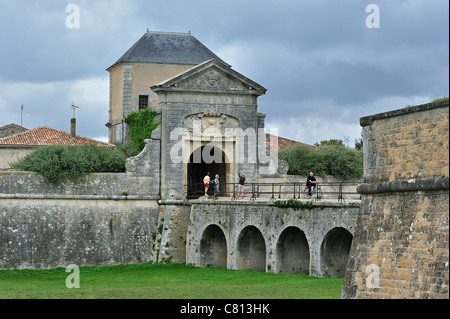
x,y
101,219
401,244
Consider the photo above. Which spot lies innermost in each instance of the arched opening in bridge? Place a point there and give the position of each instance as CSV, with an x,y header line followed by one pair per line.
x,y
203,160
334,252
293,252
213,247
251,249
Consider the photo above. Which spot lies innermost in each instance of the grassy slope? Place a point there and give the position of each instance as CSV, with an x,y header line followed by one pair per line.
x,y
167,281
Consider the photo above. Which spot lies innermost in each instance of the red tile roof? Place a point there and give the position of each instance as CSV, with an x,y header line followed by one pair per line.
x,y
44,135
283,143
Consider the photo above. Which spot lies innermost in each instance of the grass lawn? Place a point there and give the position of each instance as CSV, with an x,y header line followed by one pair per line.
x,y
165,281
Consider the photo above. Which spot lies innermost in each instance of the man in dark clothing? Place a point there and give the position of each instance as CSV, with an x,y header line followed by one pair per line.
x,y
311,181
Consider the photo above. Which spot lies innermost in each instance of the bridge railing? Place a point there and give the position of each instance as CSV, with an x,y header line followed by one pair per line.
x,y
278,191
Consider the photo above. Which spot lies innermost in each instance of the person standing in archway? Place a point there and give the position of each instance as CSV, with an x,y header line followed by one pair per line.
x,y
206,181
241,185
216,186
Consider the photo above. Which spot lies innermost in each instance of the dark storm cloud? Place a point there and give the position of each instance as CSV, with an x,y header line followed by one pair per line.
x,y
318,60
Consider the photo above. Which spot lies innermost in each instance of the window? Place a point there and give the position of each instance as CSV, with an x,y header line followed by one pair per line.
x,y
143,102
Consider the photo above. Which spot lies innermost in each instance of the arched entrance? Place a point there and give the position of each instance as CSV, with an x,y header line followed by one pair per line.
x,y
203,160
334,252
251,249
213,247
293,251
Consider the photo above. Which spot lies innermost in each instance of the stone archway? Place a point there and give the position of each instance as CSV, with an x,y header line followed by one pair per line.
x,y
293,254
334,252
213,247
251,249
199,165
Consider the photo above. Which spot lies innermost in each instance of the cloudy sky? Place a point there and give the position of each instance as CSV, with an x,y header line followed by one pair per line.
x,y
323,66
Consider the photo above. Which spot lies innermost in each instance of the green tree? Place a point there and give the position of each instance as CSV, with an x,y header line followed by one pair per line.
x,y
342,162
359,144
330,142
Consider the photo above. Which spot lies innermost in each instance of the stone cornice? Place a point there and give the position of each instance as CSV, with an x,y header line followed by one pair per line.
x,y
368,120
411,185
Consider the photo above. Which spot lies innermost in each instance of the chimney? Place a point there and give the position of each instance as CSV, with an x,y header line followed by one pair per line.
x,y
73,128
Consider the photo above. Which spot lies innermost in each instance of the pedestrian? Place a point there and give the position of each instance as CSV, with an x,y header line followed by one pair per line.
x,y
206,181
241,185
216,186
311,181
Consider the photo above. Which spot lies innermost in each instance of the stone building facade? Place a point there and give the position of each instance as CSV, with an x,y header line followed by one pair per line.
x,y
401,245
155,57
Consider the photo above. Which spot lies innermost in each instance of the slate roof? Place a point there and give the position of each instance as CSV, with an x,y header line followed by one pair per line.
x,y
168,47
44,135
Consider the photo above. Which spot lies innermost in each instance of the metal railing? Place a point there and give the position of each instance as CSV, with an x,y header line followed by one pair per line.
x,y
278,191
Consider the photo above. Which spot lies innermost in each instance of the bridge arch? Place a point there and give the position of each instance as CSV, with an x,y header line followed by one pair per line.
x,y
334,252
213,247
251,249
292,251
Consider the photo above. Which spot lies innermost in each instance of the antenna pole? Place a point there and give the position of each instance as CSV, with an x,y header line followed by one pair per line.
x,y
74,107
21,115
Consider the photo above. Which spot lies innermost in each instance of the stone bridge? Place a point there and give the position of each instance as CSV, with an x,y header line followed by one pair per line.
x,y
262,236
93,222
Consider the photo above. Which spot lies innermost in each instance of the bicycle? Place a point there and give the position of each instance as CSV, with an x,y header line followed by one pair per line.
x,y
317,190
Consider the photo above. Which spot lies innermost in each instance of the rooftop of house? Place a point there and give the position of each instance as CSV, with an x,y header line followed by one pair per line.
x,y
44,135
11,129
167,47
283,143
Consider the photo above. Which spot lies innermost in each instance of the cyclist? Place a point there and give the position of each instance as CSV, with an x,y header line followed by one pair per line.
x,y
311,181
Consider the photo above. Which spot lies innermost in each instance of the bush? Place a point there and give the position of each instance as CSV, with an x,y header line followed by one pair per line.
x,y
339,161
141,124
57,162
127,148
295,204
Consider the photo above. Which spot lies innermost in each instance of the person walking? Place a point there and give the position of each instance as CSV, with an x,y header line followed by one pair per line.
x,y
206,181
216,186
241,185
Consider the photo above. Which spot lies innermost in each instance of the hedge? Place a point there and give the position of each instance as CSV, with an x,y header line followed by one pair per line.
x,y
57,162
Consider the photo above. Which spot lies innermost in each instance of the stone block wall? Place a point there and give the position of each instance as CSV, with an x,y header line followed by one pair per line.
x,y
401,244
49,233
407,143
97,185
102,219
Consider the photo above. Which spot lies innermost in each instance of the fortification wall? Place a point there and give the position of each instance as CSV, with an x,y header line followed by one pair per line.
x,y
107,219
401,244
96,186
100,220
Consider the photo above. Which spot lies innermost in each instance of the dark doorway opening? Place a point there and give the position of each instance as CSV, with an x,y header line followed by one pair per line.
x,y
334,252
203,160
293,251
213,247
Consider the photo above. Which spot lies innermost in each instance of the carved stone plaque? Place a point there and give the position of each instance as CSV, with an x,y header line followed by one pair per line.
x,y
210,123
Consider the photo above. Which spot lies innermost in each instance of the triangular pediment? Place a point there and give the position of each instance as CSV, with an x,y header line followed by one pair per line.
x,y
211,76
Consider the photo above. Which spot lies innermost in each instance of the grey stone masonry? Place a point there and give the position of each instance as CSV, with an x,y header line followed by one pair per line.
x,y
211,87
